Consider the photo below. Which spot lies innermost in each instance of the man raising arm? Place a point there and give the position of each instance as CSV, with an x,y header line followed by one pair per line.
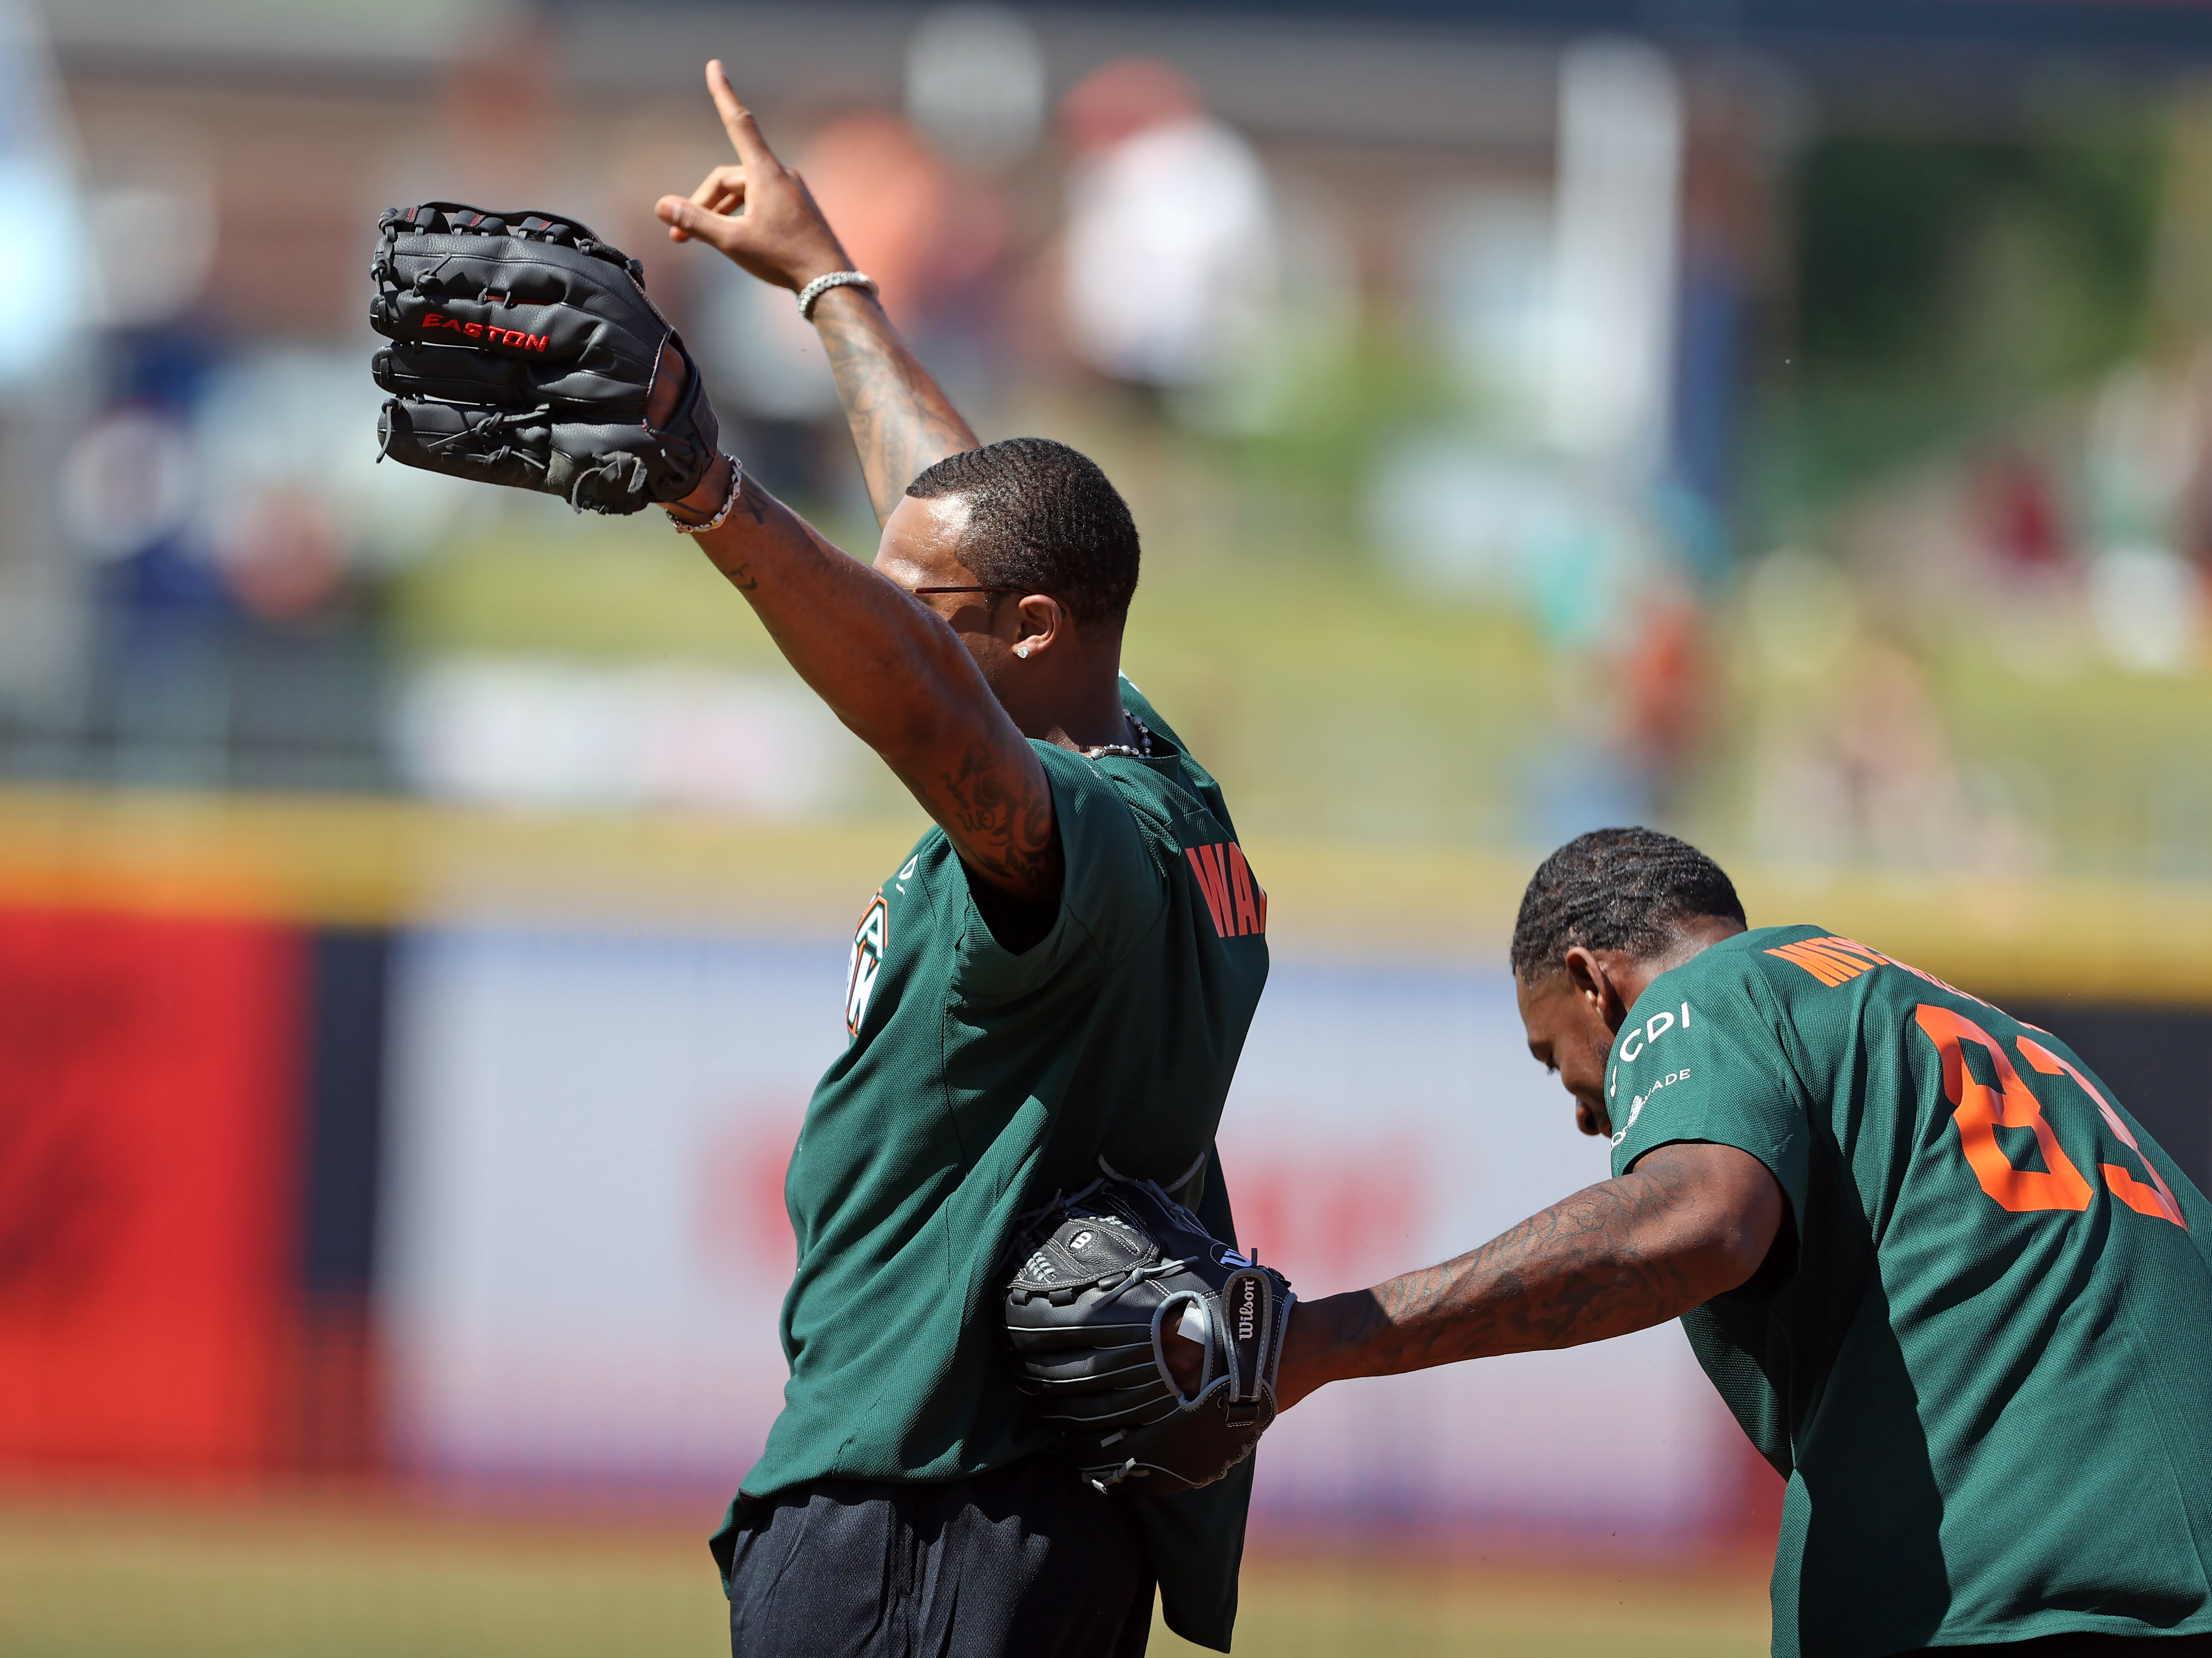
x,y
1043,986
1056,979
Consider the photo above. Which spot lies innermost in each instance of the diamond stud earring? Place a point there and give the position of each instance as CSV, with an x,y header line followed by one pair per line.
x,y
1022,651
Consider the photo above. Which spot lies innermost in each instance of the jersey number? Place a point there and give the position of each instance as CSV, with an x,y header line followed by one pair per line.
x,y
1980,1110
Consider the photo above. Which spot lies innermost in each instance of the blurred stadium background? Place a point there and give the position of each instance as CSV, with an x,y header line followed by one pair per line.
x,y
422,911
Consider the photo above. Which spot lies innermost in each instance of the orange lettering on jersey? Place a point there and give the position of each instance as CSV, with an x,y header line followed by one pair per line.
x,y
1215,886
1240,874
1836,943
1907,967
2156,1199
1836,959
1980,1111
1830,968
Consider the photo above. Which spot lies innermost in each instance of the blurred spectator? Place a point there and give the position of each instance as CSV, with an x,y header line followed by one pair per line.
x,y
1853,764
1665,690
913,227
2021,521
2147,602
1172,244
127,483
284,560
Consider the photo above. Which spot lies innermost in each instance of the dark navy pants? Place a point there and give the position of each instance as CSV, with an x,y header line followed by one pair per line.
x,y
1027,1561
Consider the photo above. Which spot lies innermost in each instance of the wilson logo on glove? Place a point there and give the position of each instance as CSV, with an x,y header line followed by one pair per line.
x,y
1104,1276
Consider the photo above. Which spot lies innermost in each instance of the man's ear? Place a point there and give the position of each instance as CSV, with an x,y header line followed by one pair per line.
x,y
1586,975
1590,976
1039,622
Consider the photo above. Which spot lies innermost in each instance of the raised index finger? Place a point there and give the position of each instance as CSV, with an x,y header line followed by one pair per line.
x,y
736,120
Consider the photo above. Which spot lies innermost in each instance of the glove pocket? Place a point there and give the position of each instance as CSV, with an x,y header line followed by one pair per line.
x,y
1087,1369
509,447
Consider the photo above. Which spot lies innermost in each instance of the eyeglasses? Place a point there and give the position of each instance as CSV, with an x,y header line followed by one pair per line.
x,y
924,593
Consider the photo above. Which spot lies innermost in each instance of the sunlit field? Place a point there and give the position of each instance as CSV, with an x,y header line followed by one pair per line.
x,y
88,1576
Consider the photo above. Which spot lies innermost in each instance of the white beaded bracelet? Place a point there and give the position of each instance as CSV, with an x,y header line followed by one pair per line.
x,y
821,285
737,487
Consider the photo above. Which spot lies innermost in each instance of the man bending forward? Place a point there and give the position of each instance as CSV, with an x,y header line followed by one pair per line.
x,y
1951,1289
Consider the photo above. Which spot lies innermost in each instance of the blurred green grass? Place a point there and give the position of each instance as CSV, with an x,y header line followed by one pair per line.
x,y
101,1577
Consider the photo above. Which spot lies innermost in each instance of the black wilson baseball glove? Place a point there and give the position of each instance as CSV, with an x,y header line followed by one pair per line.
x,y
1103,1276
525,352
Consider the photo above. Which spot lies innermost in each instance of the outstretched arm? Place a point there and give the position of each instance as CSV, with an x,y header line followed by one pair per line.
x,y
1689,1222
760,214
891,668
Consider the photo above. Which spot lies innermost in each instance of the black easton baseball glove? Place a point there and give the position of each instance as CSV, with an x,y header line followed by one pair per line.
x,y
525,352
1103,1276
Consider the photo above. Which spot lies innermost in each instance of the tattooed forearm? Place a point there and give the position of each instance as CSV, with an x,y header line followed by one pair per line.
x,y
753,502
901,421
733,546
1584,1269
1688,1223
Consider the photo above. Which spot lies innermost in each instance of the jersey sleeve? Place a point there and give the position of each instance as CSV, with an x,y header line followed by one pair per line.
x,y
1112,892
1703,1058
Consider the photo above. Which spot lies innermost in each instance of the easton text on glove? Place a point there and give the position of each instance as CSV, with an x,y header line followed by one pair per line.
x,y
525,352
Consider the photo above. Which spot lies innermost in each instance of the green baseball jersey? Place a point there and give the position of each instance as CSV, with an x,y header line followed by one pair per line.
x,y
1981,1350
976,1084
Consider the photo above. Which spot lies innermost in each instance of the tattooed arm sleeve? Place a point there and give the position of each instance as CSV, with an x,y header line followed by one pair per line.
x,y
902,422
1689,1222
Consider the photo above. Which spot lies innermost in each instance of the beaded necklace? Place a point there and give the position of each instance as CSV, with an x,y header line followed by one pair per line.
x,y
1142,751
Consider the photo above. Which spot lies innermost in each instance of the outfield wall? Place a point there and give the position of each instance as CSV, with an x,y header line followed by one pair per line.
x,y
361,1136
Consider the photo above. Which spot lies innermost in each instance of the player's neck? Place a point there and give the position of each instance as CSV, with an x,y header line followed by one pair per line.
x,y
1079,707
1089,721
1694,938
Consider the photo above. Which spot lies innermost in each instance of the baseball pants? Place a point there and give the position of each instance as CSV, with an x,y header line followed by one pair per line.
x,y
1028,1561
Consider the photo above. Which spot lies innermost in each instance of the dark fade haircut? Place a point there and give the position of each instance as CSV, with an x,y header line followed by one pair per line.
x,y
1042,517
1616,889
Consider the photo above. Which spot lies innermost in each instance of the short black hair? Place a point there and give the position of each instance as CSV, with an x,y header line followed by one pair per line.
x,y
1042,517
1616,889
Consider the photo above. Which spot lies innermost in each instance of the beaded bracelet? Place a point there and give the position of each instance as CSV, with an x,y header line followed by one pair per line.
x,y
737,487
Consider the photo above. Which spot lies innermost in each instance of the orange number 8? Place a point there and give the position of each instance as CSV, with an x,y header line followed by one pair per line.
x,y
1980,1110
